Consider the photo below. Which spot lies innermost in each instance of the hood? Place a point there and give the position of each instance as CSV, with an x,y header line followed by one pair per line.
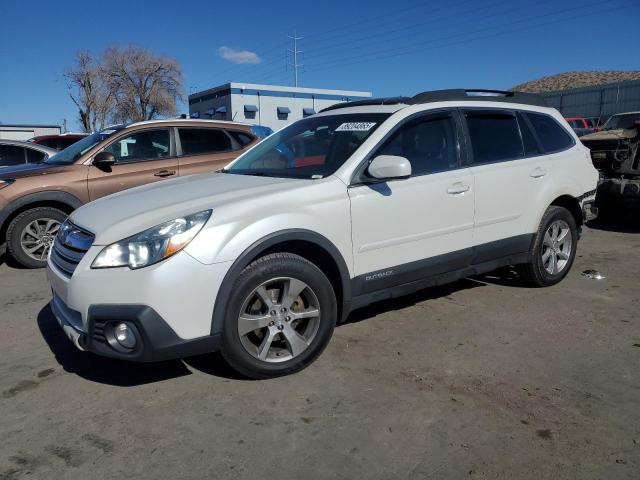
x,y
126,213
30,170
619,134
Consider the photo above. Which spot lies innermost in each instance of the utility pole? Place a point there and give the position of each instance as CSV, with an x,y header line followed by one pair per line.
x,y
295,53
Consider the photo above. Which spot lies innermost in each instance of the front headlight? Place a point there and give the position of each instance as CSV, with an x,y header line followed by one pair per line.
x,y
152,245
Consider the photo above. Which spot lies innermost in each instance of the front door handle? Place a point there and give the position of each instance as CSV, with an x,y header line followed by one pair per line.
x,y
538,172
164,173
458,188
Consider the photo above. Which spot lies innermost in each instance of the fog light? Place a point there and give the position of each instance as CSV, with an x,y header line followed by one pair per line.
x,y
125,336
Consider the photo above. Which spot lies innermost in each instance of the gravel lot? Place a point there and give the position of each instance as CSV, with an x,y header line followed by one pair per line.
x,y
480,379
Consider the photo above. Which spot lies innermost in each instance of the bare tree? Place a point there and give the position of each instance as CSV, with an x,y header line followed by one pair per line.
x,y
144,86
89,91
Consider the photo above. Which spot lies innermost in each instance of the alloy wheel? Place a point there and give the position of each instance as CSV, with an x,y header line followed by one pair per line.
x,y
279,319
37,237
556,247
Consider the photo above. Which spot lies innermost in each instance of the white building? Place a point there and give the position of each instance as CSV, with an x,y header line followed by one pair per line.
x,y
26,131
269,105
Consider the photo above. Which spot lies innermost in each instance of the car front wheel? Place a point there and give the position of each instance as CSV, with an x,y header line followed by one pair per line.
x,y
30,235
279,318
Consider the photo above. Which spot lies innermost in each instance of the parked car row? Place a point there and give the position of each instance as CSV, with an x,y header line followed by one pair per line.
x,y
364,201
35,198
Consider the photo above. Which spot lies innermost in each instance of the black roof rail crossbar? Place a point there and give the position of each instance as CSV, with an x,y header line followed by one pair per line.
x,y
480,95
369,101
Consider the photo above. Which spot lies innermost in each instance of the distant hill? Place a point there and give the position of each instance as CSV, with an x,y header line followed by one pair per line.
x,y
566,80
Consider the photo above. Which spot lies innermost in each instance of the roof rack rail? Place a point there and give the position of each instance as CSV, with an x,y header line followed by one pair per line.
x,y
460,94
482,94
370,101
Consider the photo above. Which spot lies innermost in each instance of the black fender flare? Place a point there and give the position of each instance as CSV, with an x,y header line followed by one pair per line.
x,y
46,196
262,245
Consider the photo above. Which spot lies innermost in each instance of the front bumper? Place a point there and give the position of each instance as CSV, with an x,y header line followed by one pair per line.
x,y
155,340
168,306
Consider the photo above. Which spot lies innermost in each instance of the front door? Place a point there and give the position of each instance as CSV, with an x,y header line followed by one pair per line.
x,y
141,157
404,230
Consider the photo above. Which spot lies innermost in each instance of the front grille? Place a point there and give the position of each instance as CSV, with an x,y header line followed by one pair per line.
x,y
70,245
98,332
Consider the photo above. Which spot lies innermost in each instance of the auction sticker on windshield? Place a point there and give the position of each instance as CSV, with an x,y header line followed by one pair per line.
x,y
355,127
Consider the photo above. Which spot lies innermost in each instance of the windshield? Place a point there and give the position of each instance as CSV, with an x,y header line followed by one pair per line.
x,y
73,152
314,147
622,121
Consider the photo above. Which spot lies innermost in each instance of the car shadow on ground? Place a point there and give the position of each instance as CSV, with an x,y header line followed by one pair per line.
x,y
6,259
128,374
100,369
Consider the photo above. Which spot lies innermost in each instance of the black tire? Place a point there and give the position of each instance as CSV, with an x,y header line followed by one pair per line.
x,y
277,265
534,272
17,226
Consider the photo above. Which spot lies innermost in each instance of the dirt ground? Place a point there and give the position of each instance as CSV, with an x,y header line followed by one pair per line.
x,y
480,379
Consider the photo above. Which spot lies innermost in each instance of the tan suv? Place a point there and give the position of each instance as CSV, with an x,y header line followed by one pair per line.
x,y
35,199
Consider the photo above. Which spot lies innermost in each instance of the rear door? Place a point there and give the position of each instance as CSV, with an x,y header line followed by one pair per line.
x,y
202,149
141,157
509,171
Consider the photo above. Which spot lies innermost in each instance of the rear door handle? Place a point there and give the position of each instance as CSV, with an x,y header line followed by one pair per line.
x,y
538,172
458,188
164,173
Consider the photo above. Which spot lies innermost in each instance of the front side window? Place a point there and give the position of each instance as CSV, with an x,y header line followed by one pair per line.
x,y
11,155
73,152
495,136
314,147
141,146
552,136
622,121
429,144
198,141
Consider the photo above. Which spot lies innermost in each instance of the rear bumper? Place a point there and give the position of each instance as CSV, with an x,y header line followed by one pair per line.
x,y
155,339
620,187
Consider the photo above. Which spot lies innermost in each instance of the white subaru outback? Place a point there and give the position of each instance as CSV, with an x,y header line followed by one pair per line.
x,y
365,201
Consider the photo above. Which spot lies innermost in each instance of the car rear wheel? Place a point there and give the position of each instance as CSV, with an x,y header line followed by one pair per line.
x,y
279,318
30,235
553,249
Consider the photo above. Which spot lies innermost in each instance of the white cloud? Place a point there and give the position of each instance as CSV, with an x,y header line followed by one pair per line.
x,y
239,56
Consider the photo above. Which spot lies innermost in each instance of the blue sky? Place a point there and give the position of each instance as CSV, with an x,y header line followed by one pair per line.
x,y
391,48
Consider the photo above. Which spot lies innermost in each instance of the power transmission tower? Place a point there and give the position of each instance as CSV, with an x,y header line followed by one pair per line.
x,y
295,53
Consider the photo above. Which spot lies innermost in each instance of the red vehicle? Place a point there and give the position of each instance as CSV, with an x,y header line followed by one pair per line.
x,y
581,125
59,142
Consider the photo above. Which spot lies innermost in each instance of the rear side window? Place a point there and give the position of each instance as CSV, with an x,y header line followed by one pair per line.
x,y
34,156
242,138
428,143
531,147
197,141
495,136
11,155
552,136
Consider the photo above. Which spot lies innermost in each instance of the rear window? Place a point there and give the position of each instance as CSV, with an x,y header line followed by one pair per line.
x,y
242,138
197,141
11,155
34,156
551,135
495,136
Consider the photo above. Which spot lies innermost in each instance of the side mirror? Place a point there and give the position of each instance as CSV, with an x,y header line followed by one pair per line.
x,y
104,161
389,167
